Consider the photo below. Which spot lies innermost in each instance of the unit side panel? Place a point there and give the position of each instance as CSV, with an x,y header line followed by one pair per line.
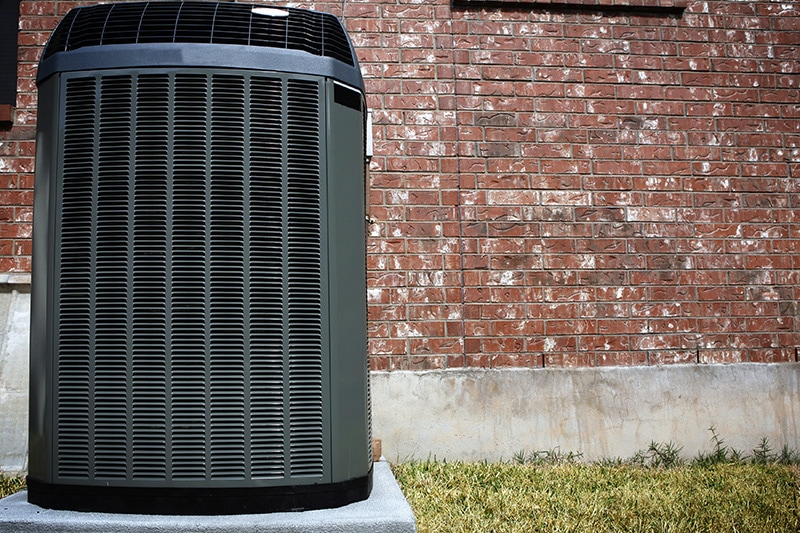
x,y
351,443
41,382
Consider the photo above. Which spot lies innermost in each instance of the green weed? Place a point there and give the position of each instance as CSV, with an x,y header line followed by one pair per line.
x,y
659,455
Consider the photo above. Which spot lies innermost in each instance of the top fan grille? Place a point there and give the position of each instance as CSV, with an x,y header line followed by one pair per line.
x,y
316,33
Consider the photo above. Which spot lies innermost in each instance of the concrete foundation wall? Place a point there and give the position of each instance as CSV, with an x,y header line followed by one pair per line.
x,y
15,303
600,412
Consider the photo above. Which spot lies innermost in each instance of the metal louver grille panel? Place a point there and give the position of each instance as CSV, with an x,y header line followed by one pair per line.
x,y
304,271
317,33
76,329
190,329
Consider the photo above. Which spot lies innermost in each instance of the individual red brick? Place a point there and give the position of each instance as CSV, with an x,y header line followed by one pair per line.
x,y
570,360
672,357
517,360
417,363
15,264
623,358
722,356
772,355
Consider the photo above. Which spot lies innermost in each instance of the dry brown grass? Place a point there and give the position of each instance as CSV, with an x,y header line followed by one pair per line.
x,y
511,498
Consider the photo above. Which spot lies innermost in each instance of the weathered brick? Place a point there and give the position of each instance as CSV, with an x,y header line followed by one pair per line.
x,y
580,192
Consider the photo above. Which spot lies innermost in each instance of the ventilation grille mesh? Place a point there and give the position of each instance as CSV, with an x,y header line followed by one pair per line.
x,y
200,22
190,332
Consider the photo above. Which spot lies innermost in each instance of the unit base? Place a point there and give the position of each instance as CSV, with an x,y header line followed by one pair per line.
x,y
198,501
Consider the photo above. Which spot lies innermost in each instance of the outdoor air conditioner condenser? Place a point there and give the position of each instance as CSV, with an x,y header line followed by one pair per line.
x,y
199,286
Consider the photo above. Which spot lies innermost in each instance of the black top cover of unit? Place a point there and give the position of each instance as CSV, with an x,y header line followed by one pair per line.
x,y
201,34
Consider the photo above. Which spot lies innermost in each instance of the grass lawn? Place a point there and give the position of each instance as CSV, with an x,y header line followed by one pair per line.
x,y
524,497
10,485
599,498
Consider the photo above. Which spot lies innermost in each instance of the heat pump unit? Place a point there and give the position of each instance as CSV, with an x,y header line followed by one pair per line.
x,y
199,315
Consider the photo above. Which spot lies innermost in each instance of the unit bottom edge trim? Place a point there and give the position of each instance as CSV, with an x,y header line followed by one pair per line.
x,y
198,501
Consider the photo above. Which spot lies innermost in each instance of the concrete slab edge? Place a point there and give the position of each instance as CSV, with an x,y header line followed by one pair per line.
x,y
385,511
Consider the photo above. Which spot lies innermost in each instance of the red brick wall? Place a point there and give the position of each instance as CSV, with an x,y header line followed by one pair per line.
x,y
553,186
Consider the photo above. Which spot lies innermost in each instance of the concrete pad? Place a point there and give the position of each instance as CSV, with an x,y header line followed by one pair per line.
x,y
385,511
